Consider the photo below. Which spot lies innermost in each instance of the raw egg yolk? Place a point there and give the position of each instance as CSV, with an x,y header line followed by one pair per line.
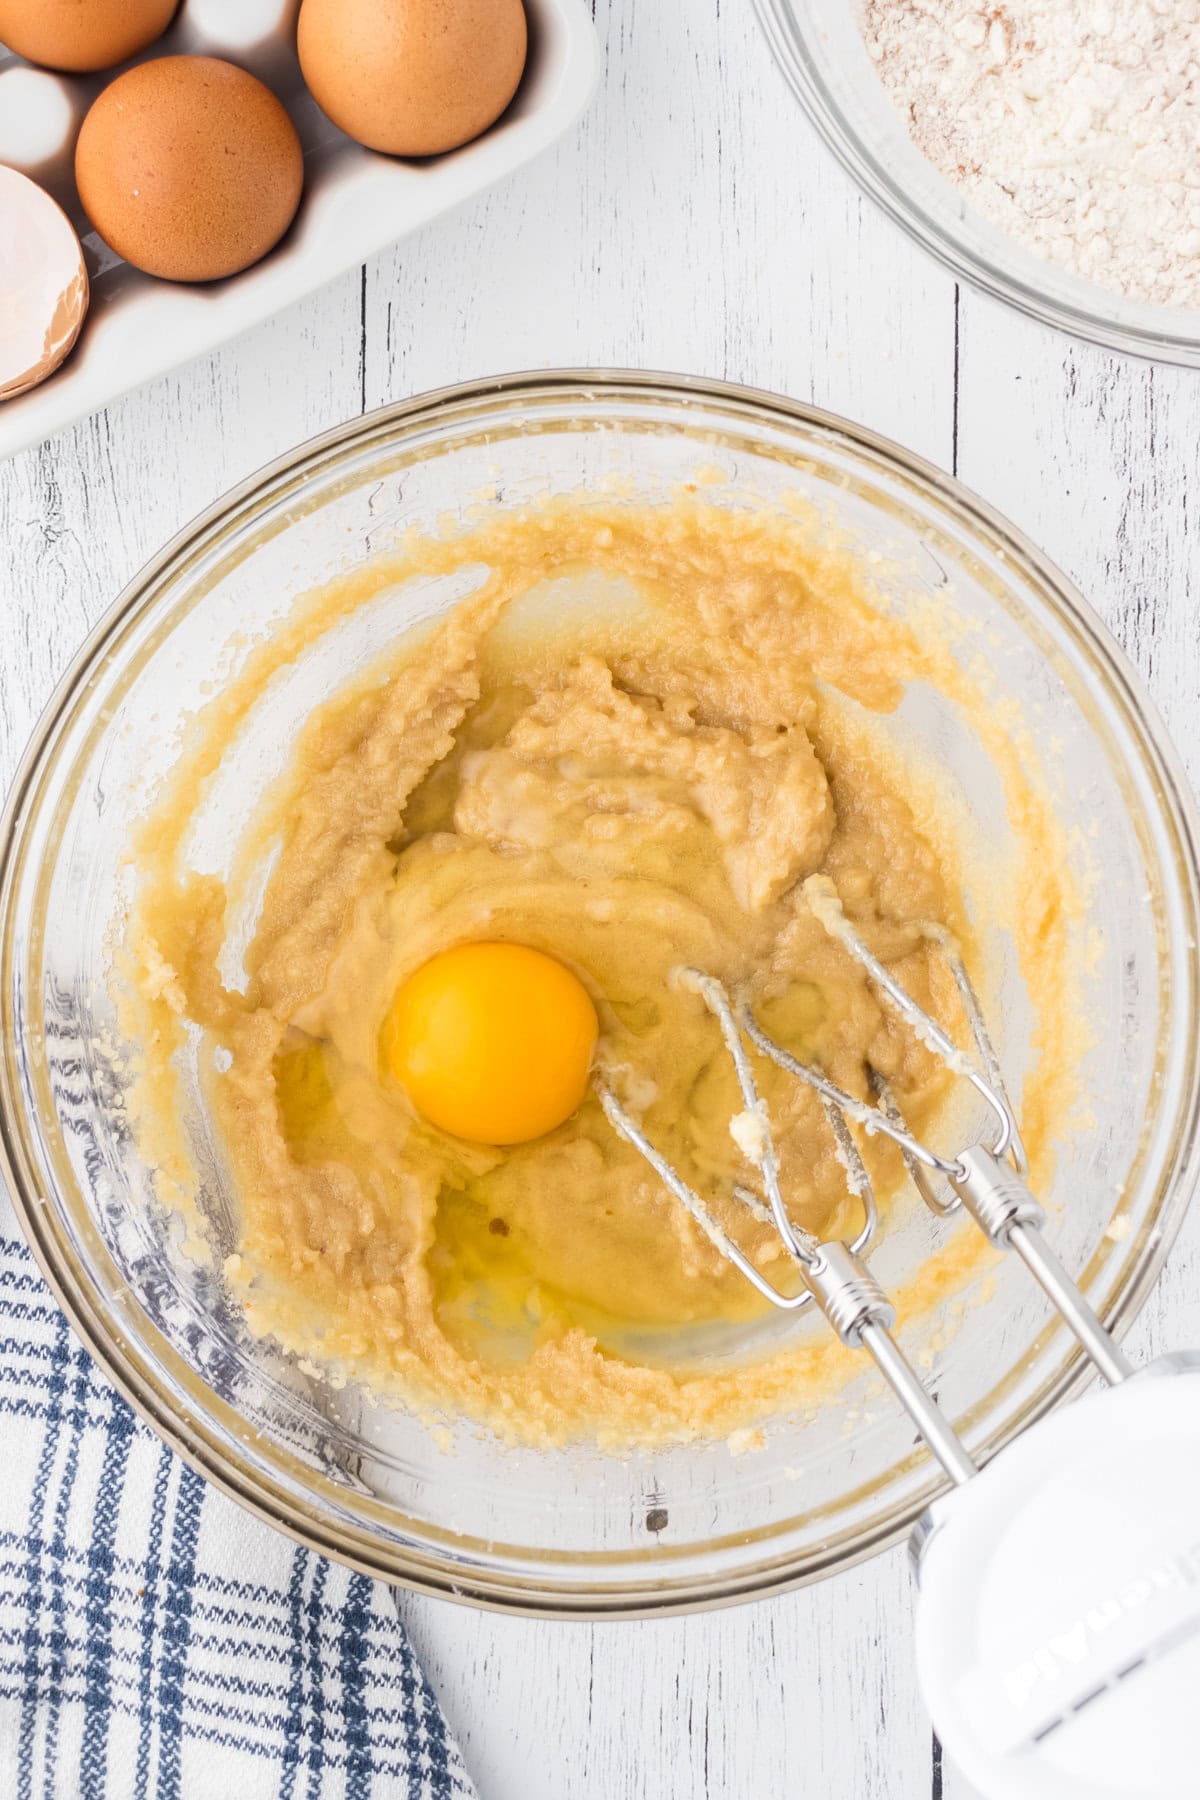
x,y
493,1042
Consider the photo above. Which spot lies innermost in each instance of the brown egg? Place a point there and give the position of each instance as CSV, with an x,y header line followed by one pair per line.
x,y
189,168
412,77
82,34
43,284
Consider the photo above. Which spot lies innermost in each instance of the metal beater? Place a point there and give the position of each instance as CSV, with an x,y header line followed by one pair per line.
x,y
1018,1642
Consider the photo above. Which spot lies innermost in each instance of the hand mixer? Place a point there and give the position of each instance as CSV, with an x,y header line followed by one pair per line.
x,y
1058,1614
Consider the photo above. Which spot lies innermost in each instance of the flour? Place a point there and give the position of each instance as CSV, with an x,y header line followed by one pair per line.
x,y
1074,125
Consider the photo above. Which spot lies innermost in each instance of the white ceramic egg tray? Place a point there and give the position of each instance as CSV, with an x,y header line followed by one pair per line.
x,y
355,201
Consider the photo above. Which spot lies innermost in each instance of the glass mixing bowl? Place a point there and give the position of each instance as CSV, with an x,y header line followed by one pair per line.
x,y
577,1531
819,46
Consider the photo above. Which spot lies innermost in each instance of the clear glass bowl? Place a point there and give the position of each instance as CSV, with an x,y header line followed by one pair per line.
x,y
578,1531
819,46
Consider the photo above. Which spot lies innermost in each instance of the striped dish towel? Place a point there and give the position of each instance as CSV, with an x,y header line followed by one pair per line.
x,y
157,1642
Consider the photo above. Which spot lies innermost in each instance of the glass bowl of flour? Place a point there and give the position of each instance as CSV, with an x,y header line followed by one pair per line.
x,y
1046,151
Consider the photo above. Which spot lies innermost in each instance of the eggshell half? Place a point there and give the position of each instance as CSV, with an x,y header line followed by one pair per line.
x,y
43,284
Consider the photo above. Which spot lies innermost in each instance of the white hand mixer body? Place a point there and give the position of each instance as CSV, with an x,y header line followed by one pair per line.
x,y
1058,1612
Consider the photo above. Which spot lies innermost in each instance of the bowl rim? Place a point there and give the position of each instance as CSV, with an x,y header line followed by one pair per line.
x,y
192,1436
1133,327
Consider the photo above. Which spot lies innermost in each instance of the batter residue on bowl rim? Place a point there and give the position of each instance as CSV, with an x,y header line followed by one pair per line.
x,y
632,784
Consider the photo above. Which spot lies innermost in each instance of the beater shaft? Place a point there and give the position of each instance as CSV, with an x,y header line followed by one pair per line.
x,y
1065,1297
1003,1207
861,1313
921,1408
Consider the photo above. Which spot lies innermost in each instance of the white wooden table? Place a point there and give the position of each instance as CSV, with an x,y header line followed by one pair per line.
x,y
692,223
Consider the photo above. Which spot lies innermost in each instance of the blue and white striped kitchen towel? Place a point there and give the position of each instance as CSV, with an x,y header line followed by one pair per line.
x,y
158,1643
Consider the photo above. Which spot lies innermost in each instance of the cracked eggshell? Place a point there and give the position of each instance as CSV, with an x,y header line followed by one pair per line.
x,y
43,284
